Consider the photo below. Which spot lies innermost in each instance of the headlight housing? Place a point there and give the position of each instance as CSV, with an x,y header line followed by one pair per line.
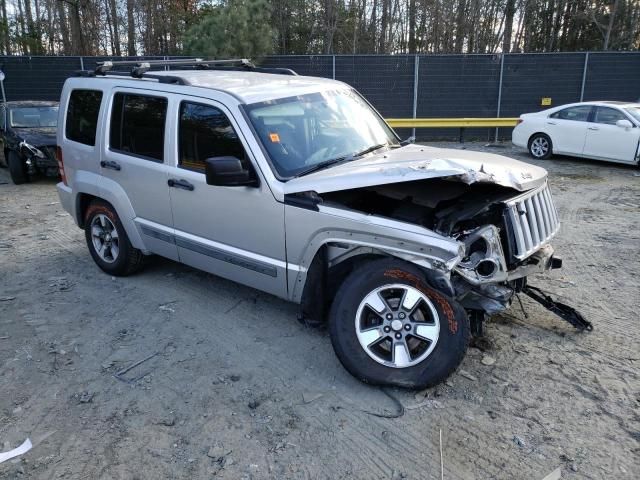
x,y
30,150
483,260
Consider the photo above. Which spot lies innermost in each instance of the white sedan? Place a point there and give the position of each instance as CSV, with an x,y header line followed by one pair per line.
x,y
598,130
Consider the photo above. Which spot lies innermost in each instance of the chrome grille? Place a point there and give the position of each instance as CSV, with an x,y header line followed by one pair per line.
x,y
50,152
533,220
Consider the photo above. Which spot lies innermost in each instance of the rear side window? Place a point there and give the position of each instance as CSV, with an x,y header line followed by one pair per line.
x,y
82,116
137,125
205,132
577,114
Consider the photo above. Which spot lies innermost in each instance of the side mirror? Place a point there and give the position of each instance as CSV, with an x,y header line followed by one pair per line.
x,y
624,124
229,172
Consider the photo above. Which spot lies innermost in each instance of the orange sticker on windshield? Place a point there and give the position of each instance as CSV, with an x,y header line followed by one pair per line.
x,y
275,138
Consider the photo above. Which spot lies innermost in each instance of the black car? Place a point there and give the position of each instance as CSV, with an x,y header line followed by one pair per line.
x,y
28,138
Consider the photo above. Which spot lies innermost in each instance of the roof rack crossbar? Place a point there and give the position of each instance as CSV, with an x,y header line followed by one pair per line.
x,y
171,79
141,66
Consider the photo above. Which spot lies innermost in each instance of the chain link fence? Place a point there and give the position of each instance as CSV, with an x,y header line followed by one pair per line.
x,y
411,86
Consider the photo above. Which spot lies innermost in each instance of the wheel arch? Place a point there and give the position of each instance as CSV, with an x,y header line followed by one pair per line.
x,y
539,132
82,202
326,274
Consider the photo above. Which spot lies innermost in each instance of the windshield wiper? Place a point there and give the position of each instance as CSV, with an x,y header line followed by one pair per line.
x,y
334,161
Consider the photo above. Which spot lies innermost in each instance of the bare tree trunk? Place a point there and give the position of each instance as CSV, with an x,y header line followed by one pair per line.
x,y
116,27
6,40
77,43
610,27
508,25
460,26
131,29
412,26
64,29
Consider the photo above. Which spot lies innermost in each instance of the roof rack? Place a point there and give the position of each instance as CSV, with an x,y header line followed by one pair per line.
x,y
141,67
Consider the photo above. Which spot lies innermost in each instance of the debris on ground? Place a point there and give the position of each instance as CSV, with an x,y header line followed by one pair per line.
x,y
308,397
467,375
84,397
555,475
519,441
21,450
488,360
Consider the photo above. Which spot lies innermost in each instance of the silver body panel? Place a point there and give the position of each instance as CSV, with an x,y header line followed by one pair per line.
x,y
248,234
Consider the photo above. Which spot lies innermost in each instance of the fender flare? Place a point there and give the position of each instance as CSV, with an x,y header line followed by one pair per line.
x,y
439,257
106,189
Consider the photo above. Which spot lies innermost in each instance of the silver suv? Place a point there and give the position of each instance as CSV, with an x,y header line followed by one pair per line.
x,y
297,187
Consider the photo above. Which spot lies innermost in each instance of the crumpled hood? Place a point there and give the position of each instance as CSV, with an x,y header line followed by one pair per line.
x,y
37,137
419,162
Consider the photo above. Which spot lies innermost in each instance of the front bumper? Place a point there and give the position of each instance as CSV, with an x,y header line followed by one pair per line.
x,y
539,262
494,297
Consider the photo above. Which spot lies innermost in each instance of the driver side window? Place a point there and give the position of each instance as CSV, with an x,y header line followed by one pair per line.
x,y
205,131
608,116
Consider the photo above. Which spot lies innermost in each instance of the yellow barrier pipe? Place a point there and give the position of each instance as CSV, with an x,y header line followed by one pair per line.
x,y
451,122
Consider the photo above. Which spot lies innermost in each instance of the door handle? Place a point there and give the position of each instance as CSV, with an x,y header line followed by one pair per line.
x,y
183,184
551,123
110,164
593,128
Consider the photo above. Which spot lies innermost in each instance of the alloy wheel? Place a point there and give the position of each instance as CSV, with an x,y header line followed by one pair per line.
x,y
104,237
397,325
539,147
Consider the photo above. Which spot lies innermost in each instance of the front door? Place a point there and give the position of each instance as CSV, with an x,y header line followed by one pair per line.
x,y
233,232
133,164
607,140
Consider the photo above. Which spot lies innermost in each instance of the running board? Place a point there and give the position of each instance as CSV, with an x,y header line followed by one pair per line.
x,y
565,312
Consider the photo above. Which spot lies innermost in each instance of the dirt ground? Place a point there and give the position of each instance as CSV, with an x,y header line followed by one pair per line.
x,y
237,388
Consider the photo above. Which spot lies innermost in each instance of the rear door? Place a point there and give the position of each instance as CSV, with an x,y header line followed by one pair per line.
x,y
607,140
133,163
568,129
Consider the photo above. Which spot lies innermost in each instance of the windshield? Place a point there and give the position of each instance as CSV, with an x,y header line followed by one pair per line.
x,y
635,112
305,131
28,117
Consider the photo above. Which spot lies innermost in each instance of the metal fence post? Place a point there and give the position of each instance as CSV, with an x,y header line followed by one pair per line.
x,y
416,78
495,140
81,63
334,66
584,75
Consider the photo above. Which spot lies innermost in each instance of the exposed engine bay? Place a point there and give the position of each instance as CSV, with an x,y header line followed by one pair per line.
x,y
501,247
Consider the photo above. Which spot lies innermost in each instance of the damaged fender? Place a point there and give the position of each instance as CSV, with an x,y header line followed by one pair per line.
x,y
349,233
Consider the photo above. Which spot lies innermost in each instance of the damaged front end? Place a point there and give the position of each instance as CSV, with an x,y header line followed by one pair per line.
x,y
503,233
39,159
499,211
499,257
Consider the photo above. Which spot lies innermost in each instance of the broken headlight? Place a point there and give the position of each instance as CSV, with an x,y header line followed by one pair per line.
x,y
30,151
483,260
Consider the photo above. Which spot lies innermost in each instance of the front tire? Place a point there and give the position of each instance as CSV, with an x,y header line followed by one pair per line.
x,y
389,327
17,169
540,146
108,242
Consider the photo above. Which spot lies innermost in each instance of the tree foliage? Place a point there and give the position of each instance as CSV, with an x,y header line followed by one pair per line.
x,y
251,27
236,28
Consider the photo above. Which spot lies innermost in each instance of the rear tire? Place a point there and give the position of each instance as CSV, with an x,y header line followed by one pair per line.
x,y
414,338
17,169
108,242
540,146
